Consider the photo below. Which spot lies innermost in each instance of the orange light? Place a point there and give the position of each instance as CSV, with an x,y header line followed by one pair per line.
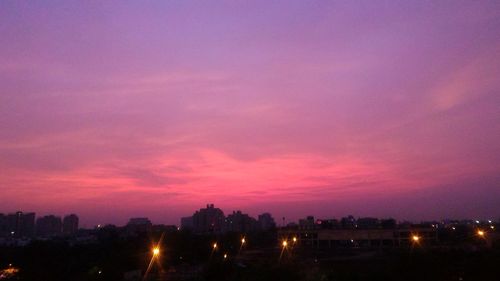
x,y
415,238
480,233
294,239
215,245
284,243
156,251
243,240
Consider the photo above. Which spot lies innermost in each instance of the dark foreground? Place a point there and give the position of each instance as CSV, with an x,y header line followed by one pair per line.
x,y
187,257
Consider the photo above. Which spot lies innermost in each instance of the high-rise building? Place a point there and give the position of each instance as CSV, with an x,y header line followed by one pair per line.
x,y
70,224
48,226
12,224
3,225
26,225
239,222
208,220
17,224
266,221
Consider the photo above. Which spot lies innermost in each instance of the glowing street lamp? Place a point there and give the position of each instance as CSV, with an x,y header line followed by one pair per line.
x,y
480,233
156,254
284,243
415,238
243,241
294,239
225,256
156,251
214,248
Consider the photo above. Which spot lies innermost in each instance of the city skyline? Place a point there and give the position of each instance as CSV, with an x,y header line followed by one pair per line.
x,y
279,221
116,110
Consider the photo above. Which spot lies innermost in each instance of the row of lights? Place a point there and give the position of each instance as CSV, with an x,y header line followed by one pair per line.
x,y
156,250
415,238
285,242
214,245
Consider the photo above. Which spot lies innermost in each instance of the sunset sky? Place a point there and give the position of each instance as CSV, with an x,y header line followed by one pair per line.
x,y
156,108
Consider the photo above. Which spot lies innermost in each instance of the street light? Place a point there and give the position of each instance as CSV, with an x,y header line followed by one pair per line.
x,y
480,233
243,241
156,251
214,246
415,238
294,239
284,243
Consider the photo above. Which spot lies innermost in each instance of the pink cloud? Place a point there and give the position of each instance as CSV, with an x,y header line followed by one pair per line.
x,y
158,109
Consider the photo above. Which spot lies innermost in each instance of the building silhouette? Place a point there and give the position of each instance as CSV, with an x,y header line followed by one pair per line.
x,y
368,223
266,222
368,234
239,222
70,224
307,223
209,220
48,226
17,225
348,222
137,225
212,220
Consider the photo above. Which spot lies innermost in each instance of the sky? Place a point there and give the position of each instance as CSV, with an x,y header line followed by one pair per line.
x,y
119,109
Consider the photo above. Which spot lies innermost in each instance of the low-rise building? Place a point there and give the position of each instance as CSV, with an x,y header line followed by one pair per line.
x,y
360,238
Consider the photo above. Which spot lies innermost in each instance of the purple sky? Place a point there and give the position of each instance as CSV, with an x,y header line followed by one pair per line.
x,y
156,108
